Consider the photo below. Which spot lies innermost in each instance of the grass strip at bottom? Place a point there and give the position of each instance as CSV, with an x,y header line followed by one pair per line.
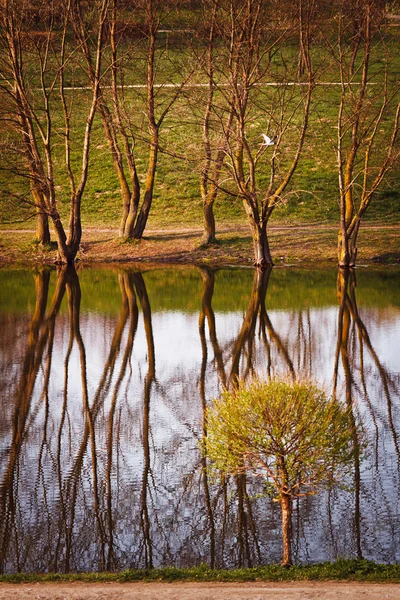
x,y
341,570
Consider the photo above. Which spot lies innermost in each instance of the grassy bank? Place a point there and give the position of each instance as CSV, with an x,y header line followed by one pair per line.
x,y
341,570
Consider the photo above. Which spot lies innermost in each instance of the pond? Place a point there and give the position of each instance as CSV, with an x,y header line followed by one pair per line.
x,y
105,378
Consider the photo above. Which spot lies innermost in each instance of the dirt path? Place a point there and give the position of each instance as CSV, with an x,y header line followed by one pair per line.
x,y
200,591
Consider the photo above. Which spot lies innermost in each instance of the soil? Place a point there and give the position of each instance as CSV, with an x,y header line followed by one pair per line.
x,y
200,591
290,244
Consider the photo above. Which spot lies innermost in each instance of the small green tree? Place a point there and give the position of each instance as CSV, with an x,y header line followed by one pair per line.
x,y
291,434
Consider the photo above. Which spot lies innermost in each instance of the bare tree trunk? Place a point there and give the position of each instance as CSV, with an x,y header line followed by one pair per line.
x,y
130,208
42,219
262,254
149,187
209,234
347,244
343,249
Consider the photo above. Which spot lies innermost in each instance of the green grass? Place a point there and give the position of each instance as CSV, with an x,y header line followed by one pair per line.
x,y
341,570
312,195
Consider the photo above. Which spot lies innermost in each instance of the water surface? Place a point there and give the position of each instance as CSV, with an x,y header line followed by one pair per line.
x,y
105,377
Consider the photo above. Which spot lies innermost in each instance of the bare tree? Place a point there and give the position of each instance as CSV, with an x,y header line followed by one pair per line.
x,y
17,31
214,113
38,102
256,30
368,115
121,109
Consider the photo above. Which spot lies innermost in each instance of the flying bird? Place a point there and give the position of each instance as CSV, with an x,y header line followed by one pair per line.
x,y
267,140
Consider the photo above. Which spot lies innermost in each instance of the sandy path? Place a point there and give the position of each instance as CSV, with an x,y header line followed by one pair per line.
x,y
200,591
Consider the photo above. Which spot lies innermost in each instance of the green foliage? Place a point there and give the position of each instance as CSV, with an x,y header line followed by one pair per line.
x,y
292,434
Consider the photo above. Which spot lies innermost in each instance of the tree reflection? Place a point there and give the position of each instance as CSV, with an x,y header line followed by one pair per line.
x,y
131,286
207,312
347,302
245,342
353,344
79,445
256,325
148,381
40,338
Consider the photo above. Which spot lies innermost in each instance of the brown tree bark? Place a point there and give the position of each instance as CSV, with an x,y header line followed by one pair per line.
x,y
262,254
42,234
286,508
144,212
209,232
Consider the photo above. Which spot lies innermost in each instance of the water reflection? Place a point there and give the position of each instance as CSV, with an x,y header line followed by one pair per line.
x,y
354,348
105,378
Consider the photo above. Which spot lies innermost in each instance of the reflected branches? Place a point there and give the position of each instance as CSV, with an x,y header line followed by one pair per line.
x,y
40,337
257,313
357,354
75,450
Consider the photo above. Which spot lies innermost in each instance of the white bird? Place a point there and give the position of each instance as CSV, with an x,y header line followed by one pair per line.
x,y
267,140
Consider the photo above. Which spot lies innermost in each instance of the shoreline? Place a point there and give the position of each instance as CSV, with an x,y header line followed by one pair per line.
x,y
291,245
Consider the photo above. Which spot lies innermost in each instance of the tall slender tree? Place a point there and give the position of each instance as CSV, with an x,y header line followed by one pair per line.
x,y
38,101
368,118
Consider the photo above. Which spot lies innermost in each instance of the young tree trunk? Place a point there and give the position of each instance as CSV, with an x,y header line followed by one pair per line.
x,y
66,252
343,249
130,203
286,507
347,245
149,187
67,249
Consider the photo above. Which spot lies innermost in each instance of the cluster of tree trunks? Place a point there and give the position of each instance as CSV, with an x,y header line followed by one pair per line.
x,y
234,52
